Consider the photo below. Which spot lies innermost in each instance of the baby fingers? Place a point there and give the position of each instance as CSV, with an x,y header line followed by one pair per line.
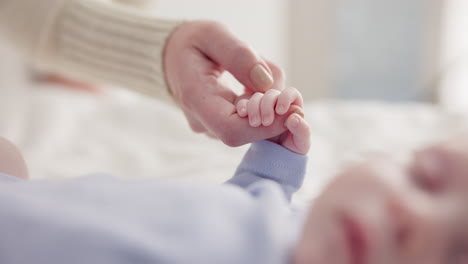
x,y
300,132
241,107
267,106
253,108
286,98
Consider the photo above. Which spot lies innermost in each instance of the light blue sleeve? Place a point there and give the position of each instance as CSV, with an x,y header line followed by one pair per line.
x,y
106,220
267,161
8,178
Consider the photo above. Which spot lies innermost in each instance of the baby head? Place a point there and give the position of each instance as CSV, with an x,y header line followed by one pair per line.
x,y
11,160
386,212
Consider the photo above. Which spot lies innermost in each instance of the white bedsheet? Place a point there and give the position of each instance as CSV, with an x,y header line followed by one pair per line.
x,y
66,134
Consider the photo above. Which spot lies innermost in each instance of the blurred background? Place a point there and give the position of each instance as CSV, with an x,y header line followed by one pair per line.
x,y
359,63
395,50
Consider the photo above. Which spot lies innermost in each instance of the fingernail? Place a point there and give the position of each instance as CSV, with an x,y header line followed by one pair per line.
x,y
261,78
280,109
293,122
300,112
255,121
243,111
267,121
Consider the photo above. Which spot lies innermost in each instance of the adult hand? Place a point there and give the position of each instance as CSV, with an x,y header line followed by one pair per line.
x,y
196,55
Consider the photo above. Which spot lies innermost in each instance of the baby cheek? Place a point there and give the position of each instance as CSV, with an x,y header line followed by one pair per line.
x,y
319,246
301,256
436,232
461,179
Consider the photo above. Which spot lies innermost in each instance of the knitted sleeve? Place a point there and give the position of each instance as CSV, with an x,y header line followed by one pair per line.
x,y
93,40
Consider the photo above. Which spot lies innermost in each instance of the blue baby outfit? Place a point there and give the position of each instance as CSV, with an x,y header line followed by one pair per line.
x,y
107,220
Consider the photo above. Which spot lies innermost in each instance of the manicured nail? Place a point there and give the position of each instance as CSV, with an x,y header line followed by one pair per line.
x,y
261,78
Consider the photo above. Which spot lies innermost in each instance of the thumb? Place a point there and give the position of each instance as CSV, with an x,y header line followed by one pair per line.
x,y
226,50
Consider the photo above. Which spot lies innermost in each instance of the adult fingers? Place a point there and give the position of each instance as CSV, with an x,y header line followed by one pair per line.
x,y
221,46
194,123
286,98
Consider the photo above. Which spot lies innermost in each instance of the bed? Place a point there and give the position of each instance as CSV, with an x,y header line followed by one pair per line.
x,y
66,134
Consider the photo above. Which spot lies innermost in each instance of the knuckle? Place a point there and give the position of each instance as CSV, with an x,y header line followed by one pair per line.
x,y
295,109
242,103
240,50
209,26
255,101
257,95
283,97
277,71
215,25
272,92
240,54
292,90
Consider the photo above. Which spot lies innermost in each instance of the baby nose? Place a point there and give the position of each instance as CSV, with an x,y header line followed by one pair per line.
x,y
441,168
430,170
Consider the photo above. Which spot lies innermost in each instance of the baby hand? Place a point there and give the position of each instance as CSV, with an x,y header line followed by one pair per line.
x,y
297,138
262,108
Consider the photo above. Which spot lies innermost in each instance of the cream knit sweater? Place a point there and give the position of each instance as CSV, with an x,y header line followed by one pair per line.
x,y
95,40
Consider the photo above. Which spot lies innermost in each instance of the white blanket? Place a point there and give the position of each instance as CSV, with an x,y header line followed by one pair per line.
x,y
66,134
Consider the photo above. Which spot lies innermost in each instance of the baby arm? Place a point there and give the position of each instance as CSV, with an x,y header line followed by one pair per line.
x,y
280,159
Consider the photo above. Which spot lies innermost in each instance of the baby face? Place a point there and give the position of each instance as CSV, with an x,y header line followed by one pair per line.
x,y
386,212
